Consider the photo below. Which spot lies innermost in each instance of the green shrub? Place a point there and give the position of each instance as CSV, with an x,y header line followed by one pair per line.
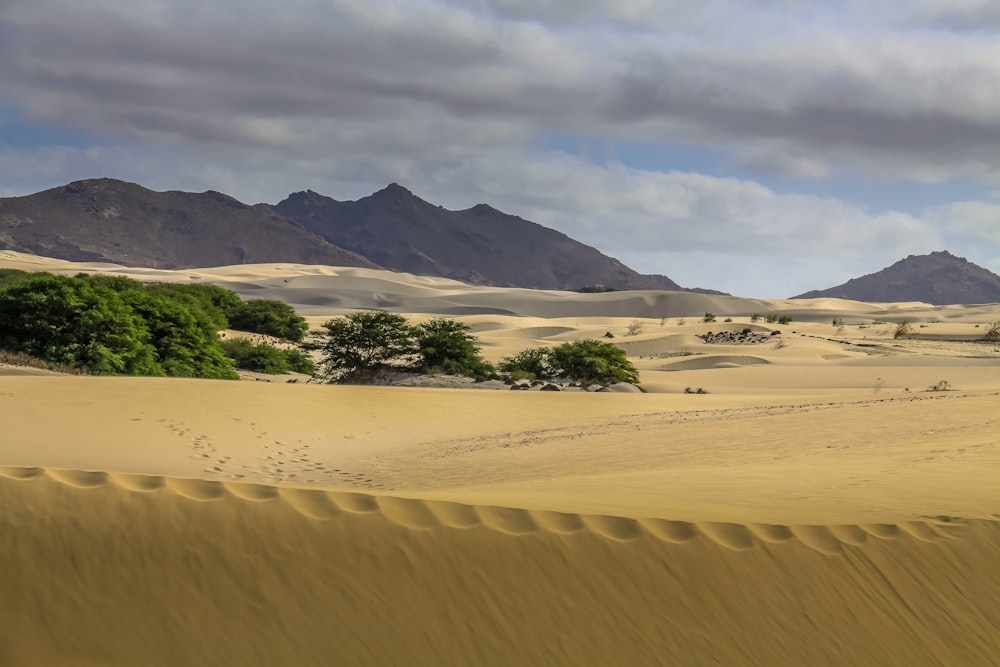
x,y
444,345
268,317
108,325
531,364
771,318
755,317
784,319
70,321
258,357
263,358
593,361
903,329
709,317
217,303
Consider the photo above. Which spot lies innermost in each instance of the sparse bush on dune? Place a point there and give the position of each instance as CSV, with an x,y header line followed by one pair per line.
x,y
992,332
903,329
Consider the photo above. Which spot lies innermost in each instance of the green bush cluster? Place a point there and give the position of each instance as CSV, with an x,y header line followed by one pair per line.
x,y
357,346
584,360
263,358
108,325
113,325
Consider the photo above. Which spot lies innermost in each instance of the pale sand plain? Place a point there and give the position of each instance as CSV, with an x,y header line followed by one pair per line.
x,y
819,506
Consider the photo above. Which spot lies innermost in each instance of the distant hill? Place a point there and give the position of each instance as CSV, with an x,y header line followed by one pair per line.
x,y
114,221
480,245
939,278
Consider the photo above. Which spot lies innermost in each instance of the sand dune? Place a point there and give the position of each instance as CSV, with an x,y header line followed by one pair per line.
x,y
820,505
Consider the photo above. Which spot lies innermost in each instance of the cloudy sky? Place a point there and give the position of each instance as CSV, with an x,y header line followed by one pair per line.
x,y
761,147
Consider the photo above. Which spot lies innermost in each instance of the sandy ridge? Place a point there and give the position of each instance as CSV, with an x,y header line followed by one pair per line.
x,y
419,514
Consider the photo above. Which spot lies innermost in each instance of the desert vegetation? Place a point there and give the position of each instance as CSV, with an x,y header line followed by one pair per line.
x,y
112,325
356,347
584,360
262,357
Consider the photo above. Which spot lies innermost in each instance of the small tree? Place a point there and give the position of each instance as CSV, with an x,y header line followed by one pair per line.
x,y
709,317
593,361
533,363
444,345
356,346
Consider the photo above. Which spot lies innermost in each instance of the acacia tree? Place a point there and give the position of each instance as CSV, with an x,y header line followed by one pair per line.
x,y
444,345
354,347
593,361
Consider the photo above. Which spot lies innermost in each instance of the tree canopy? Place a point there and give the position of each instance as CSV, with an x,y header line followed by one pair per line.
x,y
355,346
358,345
585,360
109,325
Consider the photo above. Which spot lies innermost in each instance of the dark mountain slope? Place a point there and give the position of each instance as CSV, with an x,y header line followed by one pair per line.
x,y
124,223
400,231
939,278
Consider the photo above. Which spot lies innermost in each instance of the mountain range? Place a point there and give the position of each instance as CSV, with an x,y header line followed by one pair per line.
x,y
938,278
114,221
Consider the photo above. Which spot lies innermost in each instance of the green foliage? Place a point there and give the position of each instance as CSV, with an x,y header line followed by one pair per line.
x,y
8,276
584,360
108,325
771,318
784,319
268,317
709,317
728,319
531,364
185,338
592,361
70,321
217,303
444,345
357,345
755,317
264,358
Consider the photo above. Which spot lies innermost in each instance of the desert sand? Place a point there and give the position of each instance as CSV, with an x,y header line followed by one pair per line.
x,y
819,505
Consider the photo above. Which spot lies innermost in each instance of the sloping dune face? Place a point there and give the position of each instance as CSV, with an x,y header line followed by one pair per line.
x,y
821,492
99,573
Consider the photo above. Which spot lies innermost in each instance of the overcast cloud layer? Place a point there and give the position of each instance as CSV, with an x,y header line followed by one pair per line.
x,y
761,148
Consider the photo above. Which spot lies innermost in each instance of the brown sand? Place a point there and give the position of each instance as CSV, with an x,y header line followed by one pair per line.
x,y
818,507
